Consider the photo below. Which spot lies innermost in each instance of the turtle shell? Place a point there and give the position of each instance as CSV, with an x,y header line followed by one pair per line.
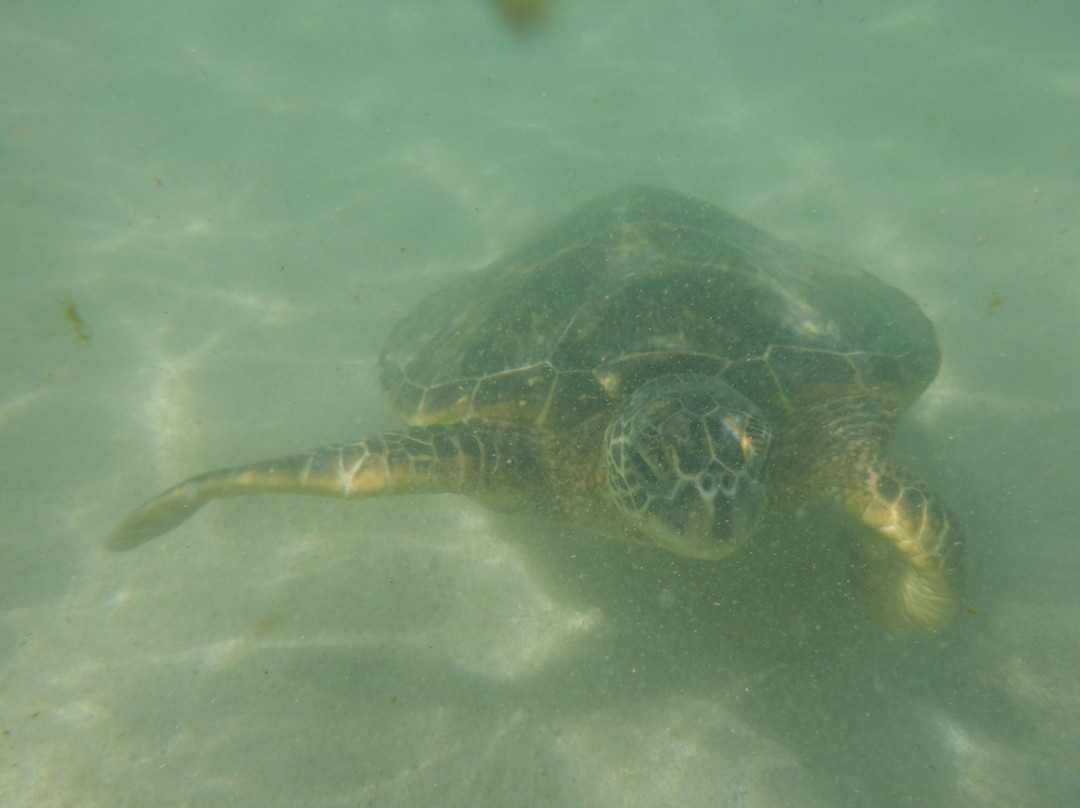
x,y
641,283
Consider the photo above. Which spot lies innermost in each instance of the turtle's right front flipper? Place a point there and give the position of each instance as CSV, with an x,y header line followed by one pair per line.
x,y
448,458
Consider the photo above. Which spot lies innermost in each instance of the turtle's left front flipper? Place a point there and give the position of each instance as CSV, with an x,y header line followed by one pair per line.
x,y
913,554
451,458
913,550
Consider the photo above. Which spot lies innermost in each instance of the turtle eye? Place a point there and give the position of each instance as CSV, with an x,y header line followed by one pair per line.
x,y
685,461
754,438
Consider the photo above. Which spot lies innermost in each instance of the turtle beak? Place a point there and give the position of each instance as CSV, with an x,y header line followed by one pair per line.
x,y
707,521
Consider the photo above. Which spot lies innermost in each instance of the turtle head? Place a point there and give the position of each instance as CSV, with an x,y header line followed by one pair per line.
x,y
685,459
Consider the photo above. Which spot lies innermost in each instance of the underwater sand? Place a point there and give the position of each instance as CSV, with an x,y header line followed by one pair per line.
x,y
210,217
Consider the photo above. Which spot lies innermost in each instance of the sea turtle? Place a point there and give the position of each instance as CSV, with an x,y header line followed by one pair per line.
x,y
658,369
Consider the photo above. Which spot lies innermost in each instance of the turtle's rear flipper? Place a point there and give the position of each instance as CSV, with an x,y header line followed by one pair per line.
x,y
423,460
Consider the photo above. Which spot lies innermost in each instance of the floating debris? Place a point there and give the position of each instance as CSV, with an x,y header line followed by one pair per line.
x,y
79,329
524,15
